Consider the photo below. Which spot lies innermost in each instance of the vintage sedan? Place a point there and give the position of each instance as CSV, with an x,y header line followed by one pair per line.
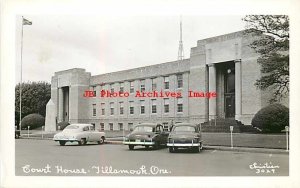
x,y
146,134
185,135
81,133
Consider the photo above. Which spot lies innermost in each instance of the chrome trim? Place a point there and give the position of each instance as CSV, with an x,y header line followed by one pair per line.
x,y
139,143
183,145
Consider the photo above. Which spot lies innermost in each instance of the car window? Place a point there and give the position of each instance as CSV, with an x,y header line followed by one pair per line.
x,y
143,129
72,127
92,128
184,129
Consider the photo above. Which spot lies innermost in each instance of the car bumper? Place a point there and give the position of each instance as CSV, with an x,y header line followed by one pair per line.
x,y
67,139
139,143
183,144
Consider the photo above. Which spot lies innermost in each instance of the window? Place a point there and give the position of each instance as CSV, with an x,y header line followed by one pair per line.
x,y
179,81
179,105
131,87
112,88
102,126
102,108
122,87
153,106
121,107
111,108
166,82
153,85
94,110
111,126
121,126
130,125
94,91
142,107
142,85
131,107
166,105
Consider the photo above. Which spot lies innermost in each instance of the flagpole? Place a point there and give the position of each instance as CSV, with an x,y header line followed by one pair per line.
x,y
21,77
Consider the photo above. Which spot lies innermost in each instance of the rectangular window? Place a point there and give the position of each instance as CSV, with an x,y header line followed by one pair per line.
x,y
131,107
94,110
142,85
111,105
179,105
121,87
179,81
165,126
121,107
102,126
112,89
166,105
166,82
153,106
121,126
102,108
94,91
142,107
131,87
130,125
153,85
111,126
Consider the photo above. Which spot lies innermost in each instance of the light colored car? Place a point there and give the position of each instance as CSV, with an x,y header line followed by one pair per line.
x,y
81,133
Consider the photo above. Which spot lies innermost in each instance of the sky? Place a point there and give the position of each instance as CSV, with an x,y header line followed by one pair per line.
x,y
109,43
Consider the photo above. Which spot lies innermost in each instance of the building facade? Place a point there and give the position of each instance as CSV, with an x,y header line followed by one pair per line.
x,y
224,65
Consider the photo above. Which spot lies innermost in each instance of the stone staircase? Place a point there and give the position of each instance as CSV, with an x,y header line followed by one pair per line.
x,y
223,125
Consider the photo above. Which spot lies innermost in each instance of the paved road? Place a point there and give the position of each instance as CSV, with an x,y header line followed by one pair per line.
x,y
47,158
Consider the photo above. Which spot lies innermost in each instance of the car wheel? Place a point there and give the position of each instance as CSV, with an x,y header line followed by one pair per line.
x,y
147,147
101,140
82,142
62,143
131,147
156,145
171,149
196,149
17,136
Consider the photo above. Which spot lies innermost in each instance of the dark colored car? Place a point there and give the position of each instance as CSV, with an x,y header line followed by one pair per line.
x,y
146,134
185,135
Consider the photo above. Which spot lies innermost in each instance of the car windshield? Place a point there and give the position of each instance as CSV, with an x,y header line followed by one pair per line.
x,y
72,128
143,129
184,129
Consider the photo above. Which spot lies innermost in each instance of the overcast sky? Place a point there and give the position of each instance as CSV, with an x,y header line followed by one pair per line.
x,y
102,44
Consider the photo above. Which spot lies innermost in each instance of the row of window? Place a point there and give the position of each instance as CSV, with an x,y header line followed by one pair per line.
x,y
121,126
166,85
142,107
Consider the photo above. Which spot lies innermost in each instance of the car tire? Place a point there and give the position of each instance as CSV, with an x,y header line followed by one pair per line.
x,y
171,149
62,143
82,141
101,140
17,136
147,147
131,147
196,149
156,145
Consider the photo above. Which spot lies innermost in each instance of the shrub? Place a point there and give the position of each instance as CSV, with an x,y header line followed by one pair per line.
x,y
33,120
62,125
271,119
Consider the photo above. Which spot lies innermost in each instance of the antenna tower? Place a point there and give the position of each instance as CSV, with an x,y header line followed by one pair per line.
x,y
180,49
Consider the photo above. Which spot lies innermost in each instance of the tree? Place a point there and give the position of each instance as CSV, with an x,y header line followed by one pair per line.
x,y
35,96
273,47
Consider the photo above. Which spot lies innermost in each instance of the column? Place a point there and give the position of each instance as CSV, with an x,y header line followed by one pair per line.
x,y
60,104
238,89
212,107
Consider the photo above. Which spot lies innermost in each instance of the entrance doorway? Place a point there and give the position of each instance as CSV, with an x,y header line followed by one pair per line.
x,y
229,90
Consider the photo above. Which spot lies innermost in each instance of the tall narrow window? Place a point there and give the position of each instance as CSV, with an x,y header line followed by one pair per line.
x,y
111,108
121,108
179,81
120,126
112,89
130,125
142,85
102,108
179,105
153,84
121,87
102,126
111,126
166,105
142,107
153,106
131,107
131,87
94,110
94,91
166,82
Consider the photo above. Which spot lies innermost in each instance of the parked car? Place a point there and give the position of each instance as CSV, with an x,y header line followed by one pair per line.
x,y
147,134
185,135
81,133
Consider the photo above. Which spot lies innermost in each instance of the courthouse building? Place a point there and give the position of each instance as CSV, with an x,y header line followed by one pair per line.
x,y
223,64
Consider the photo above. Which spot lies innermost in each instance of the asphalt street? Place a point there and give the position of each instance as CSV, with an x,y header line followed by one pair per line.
x,y
48,158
